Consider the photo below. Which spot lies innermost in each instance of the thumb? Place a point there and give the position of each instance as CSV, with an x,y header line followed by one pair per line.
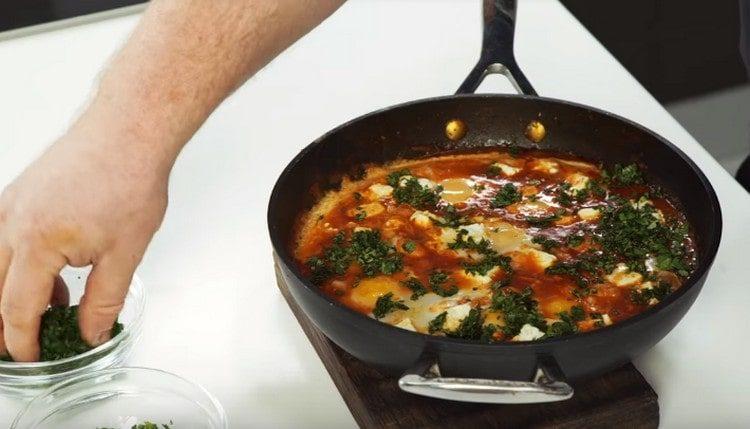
x,y
106,288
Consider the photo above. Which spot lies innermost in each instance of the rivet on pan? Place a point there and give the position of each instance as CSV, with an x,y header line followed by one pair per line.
x,y
535,131
455,129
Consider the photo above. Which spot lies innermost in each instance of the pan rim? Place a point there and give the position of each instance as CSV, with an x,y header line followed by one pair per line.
x,y
704,265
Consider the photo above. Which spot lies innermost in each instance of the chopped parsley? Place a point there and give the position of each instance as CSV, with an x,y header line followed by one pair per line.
x,y
518,309
361,215
60,337
470,327
575,240
626,175
634,232
643,296
416,287
437,282
437,323
373,255
385,304
506,196
543,221
546,242
568,323
487,263
409,246
494,170
411,192
451,217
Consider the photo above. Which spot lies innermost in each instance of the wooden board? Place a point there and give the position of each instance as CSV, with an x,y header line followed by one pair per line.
x,y
619,399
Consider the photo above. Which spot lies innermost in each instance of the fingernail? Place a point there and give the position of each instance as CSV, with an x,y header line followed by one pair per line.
x,y
101,338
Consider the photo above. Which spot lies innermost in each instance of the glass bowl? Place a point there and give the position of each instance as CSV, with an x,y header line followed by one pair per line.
x,y
121,398
29,379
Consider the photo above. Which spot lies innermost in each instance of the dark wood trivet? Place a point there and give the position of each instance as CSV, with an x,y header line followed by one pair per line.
x,y
619,399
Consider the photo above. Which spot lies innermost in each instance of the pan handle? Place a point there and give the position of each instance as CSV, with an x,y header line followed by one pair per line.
x,y
425,380
497,49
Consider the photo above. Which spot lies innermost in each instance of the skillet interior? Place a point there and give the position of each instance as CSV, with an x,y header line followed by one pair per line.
x,y
416,129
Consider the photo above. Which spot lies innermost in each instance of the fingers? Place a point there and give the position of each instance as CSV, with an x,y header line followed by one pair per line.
x,y
106,289
4,263
60,293
26,293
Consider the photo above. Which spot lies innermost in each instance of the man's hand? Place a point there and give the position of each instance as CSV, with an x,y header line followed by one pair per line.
x,y
98,195
85,201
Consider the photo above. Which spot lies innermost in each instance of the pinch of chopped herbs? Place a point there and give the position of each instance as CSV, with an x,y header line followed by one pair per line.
x,y
493,170
544,221
416,287
437,282
479,187
644,296
575,240
506,196
436,324
623,175
546,242
385,304
568,323
409,246
518,308
450,217
361,215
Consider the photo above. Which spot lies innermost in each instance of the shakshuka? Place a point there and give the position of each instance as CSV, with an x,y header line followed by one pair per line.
x,y
496,246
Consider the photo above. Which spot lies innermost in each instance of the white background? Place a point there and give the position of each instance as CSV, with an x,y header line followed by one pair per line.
x,y
214,314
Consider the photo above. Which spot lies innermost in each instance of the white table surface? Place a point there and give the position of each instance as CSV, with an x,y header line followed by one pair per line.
x,y
214,314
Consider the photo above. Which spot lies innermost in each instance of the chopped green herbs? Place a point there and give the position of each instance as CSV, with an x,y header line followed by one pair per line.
x,y
575,240
494,170
644,296
437,282
486,264
635,232
627,175
546,242
409,246
568,323
506,196
360,216
416,287
373,255
451,217
518,309
437,323
470,327
543,221
60,337
408,190
385,304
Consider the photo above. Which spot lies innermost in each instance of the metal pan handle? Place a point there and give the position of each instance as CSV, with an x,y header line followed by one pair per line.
x,y
424,379
497,49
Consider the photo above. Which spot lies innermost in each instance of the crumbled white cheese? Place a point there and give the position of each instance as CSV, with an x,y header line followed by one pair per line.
x,y
622,276
455,315
540,258
421,219
381,191
405,323
528,333
606,319
589,213
506,169
426,183
361,228
475,231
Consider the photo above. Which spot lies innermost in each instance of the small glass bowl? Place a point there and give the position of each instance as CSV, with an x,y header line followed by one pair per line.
x,y
29,379
121,398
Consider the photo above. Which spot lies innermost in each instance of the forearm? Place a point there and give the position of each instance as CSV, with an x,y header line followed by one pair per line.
x,y
183,59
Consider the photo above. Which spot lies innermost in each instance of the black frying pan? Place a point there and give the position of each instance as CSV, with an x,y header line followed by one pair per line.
x,y
469,371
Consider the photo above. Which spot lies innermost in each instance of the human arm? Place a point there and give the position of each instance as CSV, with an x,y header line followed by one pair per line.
x,y
99,193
